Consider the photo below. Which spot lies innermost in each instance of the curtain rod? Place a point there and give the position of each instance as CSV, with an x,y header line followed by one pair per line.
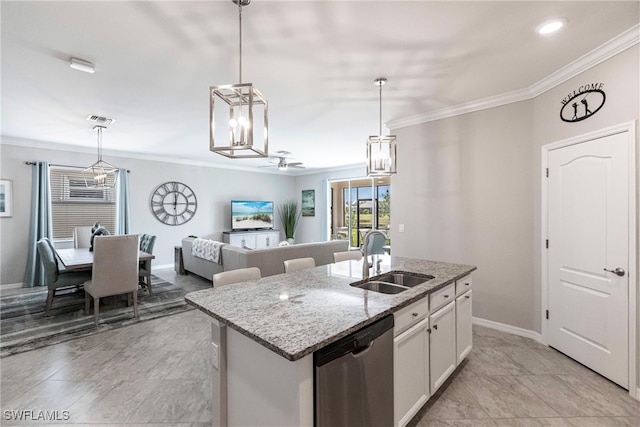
x,y
64,166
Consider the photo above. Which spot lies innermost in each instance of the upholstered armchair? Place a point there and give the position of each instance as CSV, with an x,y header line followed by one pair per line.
x,y
115,271
144,273
53,277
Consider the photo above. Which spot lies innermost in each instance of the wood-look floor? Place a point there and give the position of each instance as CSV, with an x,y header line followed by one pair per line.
x,y
156,373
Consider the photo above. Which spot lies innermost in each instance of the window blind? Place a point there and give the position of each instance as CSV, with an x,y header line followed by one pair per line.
x,y
75,205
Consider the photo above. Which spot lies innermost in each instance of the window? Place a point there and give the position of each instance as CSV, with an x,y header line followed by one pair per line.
x,y
74,205
365,204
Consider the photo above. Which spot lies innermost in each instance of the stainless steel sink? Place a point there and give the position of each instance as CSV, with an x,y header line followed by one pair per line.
x,y
404,278
392,282
382,287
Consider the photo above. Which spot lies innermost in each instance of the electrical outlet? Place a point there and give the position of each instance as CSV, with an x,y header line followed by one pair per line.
x,y
214,355
401,228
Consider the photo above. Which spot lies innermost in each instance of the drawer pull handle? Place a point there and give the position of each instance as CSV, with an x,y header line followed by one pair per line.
x,y
446,296
467,284
415,314
467,296
435,327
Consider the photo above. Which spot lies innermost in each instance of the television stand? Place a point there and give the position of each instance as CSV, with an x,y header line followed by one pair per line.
x,y
253,239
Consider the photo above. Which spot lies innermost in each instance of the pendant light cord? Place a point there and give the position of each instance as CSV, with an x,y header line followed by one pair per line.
x,y
240,30
380,109
99,144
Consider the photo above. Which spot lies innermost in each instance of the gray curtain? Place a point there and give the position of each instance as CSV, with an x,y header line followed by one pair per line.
x,y
123,205
40,222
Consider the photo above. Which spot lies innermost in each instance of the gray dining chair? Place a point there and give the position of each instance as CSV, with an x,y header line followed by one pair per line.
x,y
235,276
55,279
147,241
115,271
296,264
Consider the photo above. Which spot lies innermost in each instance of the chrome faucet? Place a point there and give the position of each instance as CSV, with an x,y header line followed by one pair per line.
x,y
365,253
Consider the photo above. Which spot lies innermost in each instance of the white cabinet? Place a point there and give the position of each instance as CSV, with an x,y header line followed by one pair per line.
x,y
410,361
252,239
442,356
463,326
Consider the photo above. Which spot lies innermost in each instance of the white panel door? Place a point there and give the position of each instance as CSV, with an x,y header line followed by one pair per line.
x,y
588,217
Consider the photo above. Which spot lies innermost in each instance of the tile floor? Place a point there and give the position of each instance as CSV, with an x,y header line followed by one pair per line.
x,y
156,373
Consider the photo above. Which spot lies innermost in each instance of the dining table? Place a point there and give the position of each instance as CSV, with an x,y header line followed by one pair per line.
x,y
82,258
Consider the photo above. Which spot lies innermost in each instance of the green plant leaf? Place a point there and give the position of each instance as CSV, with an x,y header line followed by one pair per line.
x,y
289,216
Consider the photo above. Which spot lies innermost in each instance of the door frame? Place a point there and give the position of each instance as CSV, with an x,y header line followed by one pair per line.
x,y
629,127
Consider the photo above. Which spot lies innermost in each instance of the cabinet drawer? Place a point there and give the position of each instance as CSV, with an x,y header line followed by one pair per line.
x,y
463,285
410,315
441,297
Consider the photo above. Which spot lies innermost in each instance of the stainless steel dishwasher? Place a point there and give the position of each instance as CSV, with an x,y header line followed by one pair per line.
x,y
354,378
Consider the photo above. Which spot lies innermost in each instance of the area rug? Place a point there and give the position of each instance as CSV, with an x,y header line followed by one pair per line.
x,y
24,327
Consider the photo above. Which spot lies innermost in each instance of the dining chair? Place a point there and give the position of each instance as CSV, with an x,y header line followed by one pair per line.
x,y
235,276
82,237
296,264
347,255
115,271
147,241
53,278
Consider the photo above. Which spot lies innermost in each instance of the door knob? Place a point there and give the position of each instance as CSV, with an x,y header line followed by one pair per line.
x,y
619,271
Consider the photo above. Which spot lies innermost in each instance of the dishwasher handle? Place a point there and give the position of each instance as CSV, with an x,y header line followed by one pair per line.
x,y
356,343
358,352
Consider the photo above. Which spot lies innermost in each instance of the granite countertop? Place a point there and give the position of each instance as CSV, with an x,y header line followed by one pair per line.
x,y
295,314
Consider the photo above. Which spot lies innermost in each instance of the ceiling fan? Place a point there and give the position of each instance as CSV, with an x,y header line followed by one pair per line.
x,y
282,163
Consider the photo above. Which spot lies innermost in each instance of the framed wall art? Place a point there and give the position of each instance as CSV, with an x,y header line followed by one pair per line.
x,y
308,202
6,198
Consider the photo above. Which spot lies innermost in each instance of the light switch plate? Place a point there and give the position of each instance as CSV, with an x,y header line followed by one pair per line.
x,y
401,228
214,355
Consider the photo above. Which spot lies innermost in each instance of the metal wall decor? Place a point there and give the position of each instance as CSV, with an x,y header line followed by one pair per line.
x,y
173,203
238,119
582,103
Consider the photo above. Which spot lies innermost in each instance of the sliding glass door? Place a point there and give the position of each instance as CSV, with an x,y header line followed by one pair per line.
x,y
357,206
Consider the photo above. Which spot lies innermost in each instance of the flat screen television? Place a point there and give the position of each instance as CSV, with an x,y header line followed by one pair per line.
x,y
251,215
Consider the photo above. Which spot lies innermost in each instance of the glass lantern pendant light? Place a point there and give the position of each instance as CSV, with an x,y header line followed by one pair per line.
x,y
238,115
381,149
104,174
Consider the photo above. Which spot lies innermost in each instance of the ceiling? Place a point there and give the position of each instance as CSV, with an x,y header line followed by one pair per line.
x,y
314,61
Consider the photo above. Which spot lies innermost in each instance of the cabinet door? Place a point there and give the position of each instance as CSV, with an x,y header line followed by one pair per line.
x,y
463,326
410,372
266,240
442,346
243,240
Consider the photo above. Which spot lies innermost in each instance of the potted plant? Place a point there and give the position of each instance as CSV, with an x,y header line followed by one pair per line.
x,y
289,217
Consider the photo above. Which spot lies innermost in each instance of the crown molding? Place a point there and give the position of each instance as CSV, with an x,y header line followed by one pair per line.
x,y
30,143
598,55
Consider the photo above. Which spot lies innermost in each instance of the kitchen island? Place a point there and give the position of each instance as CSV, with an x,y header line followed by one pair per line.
x,y
264,333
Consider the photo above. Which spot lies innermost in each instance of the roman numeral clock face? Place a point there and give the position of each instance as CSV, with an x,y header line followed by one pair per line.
x,y
173,203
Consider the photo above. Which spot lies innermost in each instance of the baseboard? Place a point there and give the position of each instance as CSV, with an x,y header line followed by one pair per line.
x,y
503,327
163,266
11,286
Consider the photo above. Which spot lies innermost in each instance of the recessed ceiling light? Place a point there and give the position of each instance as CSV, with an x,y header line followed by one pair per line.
x,y
551,26
82,65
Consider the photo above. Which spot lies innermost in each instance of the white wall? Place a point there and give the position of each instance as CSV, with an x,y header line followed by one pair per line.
x,y
464,194
213,187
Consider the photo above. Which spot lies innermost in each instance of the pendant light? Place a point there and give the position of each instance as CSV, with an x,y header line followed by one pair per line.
x,y
381,149
238,115
100,174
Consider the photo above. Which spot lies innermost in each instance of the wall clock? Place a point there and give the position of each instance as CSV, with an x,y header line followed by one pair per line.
x,y
173,203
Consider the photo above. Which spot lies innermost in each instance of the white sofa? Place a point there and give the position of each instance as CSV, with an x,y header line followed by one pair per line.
x,y
270,261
